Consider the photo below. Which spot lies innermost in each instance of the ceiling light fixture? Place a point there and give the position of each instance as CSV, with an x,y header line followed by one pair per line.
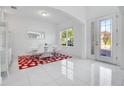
x,y
44,13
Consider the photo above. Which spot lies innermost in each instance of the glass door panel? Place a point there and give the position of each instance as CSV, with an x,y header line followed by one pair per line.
x,y
106,37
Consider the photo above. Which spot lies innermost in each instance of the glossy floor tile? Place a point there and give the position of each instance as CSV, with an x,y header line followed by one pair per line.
x,y
70,72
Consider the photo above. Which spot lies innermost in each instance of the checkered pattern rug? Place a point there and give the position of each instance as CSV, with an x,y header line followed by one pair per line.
x,y
28,61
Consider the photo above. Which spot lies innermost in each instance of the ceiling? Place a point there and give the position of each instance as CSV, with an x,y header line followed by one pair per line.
x,y
55,16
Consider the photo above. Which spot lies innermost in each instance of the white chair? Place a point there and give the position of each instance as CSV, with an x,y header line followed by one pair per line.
x,y
36,48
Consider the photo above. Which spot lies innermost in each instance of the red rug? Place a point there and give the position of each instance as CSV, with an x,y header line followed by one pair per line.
x,y
34,60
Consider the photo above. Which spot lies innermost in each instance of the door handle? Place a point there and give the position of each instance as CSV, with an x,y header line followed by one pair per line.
x,y
97,43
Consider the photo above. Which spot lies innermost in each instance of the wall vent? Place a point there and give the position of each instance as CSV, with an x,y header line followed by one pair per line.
x,y
13,7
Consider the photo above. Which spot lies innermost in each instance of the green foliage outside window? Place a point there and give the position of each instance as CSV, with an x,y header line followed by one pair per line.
x,y
67,37
63,38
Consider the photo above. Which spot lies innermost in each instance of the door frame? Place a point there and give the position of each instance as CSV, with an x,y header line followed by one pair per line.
x,y
97,47
117,49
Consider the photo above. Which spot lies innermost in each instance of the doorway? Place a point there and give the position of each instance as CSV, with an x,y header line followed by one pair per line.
x,y
105,39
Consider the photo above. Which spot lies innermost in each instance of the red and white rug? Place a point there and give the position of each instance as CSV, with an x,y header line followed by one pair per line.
x,y
28,61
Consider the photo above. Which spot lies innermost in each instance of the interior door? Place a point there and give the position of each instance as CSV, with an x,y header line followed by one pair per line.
x,y
105,39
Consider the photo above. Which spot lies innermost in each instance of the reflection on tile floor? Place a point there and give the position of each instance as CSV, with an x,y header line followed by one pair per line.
x,y
70,72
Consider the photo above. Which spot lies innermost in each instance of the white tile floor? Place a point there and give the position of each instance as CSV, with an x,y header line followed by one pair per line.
x,y
71,72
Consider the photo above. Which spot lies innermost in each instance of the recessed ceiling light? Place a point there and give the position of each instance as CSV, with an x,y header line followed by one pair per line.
x,y
44,13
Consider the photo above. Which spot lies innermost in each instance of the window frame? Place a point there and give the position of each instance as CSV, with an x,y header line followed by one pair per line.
x,y
67,29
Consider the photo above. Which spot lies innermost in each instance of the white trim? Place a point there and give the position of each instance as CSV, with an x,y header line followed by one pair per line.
x,y
118,50
89,55
120,40
112,58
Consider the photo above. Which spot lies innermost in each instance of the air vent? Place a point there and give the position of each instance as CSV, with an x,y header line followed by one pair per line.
x,y
13,7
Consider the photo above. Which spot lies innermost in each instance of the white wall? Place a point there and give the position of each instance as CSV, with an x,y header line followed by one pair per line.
x,y
90,13
84,14
77,49
78,12
122,41
0,54
1,18
122,53
99,11
81,13
94,12
19,30
19,26
121,10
